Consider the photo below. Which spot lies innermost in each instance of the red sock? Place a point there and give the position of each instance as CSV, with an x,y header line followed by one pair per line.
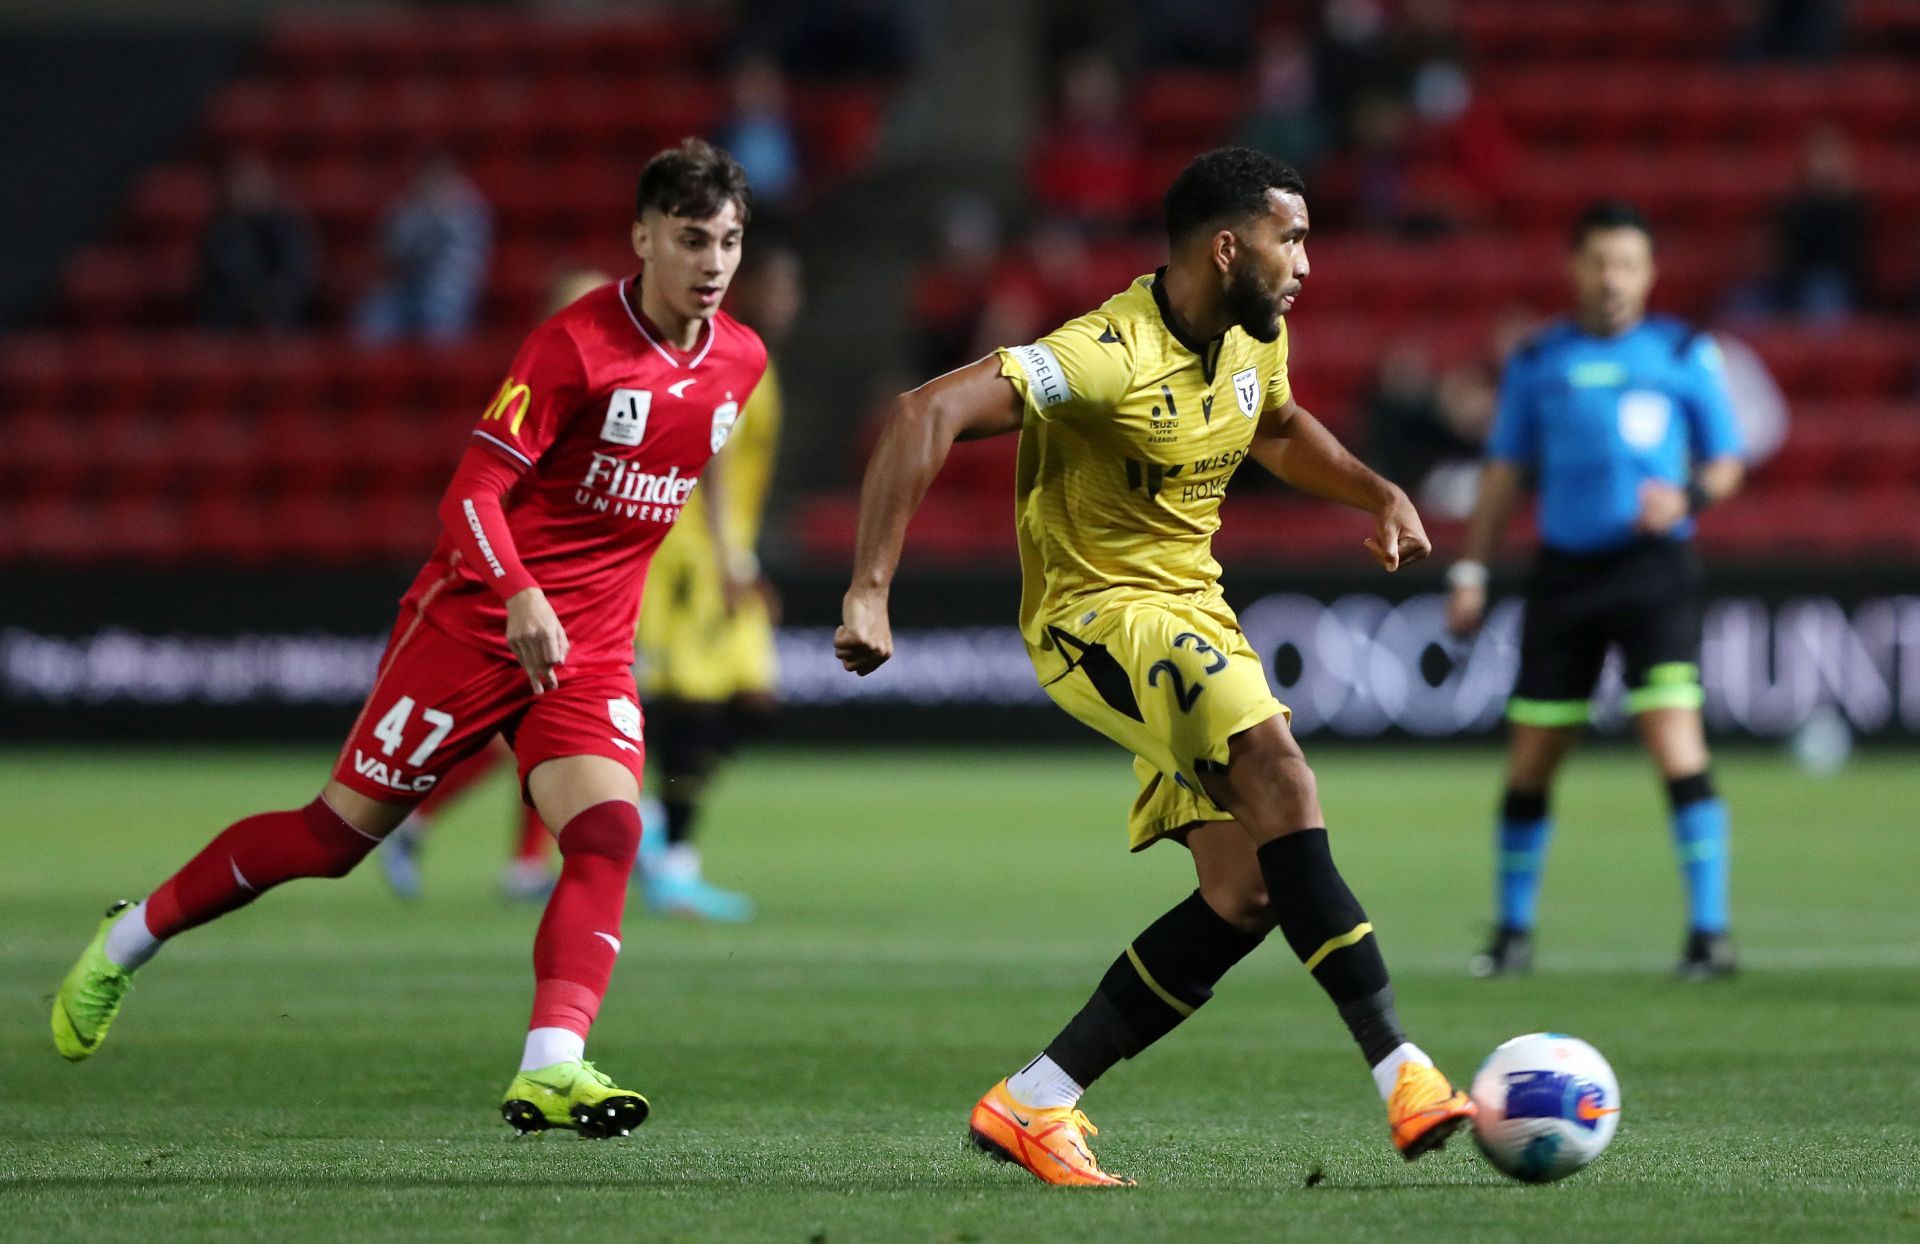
x,y
533,840
579,936
252,856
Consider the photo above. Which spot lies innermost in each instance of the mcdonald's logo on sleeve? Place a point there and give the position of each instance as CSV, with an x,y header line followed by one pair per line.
x,y
513,397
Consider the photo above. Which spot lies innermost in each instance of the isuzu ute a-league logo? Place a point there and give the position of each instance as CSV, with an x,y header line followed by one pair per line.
x,y
627,416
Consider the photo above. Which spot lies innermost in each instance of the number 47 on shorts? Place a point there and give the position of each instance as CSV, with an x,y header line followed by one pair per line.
x,y
391,731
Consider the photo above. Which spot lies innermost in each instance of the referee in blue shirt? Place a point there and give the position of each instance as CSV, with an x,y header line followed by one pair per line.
x,y
1620,420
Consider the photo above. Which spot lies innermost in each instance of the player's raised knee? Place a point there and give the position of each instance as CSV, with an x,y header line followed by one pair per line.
x,y
1242,904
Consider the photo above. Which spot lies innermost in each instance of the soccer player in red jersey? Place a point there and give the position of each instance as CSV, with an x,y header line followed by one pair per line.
x,y
521,624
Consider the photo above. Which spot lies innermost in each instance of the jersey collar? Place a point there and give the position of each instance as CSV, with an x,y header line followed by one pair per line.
x,y
1208,352
674,356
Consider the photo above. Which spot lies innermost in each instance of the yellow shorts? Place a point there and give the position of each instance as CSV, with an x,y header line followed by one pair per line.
x,y
1172,679
691,650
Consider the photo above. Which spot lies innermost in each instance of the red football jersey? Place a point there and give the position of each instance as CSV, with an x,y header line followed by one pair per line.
x,y
612,427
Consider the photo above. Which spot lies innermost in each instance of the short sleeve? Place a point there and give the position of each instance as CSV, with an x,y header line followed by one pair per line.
x,y
1515,436
1081,368
1279,386
1713,430
544,387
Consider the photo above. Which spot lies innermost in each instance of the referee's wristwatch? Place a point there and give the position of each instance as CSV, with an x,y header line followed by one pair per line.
x,y
1467,574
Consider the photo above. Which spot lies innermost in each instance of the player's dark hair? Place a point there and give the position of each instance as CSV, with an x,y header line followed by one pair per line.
x,y
1227,183
1609,214
694,180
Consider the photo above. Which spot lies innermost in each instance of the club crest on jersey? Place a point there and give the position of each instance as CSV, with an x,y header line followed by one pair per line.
x,y
725,415
1246,390
1644,416
625,715
627,416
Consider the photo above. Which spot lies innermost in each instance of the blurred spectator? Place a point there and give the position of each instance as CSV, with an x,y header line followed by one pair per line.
x,y
1375,168
1399,409
1415,150
1814,253
1465,403
257,260
1286,116
1426,433
1200,34
1462,145
834,38
1822,231
436,241
1042,283
948,293
1809,31
570,283
1426,41
1353,60
1084,164
759,132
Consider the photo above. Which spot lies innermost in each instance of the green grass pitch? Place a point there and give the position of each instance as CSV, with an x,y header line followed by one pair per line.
x,y
326,1064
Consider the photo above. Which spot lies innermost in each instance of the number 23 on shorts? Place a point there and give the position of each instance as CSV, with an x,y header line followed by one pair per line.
x,y
1183,695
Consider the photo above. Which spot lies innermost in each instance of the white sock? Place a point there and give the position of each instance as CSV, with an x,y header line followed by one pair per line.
x,y
547,1046
680,862
1043,1085
129,942
653,817
1387,1070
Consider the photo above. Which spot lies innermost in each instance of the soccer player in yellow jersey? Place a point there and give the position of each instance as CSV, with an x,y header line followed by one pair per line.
x,y
706,629
1131,421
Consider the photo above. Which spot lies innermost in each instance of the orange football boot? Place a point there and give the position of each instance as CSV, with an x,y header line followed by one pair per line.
x,y
1425,1110
1051,1144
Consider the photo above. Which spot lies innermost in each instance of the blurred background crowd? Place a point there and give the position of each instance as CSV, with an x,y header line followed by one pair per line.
x,y
266,265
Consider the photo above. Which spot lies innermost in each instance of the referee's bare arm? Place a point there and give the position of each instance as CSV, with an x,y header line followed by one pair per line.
x,y
1500,486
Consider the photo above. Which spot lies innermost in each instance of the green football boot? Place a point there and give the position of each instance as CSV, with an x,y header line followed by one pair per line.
x,y
572,1095
90,997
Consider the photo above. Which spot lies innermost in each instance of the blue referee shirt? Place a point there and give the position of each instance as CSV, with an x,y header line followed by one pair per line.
x,y
1594,417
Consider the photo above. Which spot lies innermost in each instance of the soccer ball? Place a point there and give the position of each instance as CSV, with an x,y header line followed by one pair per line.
x,y
1548,1105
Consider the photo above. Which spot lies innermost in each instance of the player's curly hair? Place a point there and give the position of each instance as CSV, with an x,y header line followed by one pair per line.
x,y
1227,183
694,180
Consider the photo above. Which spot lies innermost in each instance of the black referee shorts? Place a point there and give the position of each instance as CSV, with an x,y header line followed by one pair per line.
x,y
1644,598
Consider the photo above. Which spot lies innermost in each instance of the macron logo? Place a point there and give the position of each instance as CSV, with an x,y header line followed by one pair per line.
x,y
679,387
610,940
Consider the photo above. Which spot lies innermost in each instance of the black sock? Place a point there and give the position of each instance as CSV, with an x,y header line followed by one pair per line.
x,y
1693,788
1324,924
1165,975
691,742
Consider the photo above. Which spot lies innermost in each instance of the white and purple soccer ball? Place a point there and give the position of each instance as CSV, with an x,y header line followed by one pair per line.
x,y
1548,1105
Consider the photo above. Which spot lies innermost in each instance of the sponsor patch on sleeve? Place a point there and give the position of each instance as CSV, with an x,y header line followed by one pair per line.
x,y
1046,379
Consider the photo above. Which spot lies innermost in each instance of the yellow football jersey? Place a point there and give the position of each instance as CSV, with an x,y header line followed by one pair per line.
x,y
1131,433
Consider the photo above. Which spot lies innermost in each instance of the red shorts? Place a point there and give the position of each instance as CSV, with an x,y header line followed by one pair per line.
x,y
436,701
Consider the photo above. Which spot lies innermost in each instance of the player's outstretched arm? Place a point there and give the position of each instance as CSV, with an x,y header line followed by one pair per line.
x,y
970,403
1500,485
1298,448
